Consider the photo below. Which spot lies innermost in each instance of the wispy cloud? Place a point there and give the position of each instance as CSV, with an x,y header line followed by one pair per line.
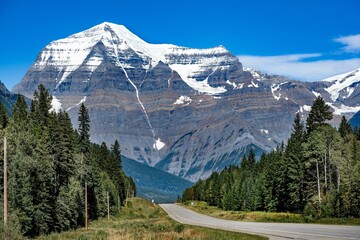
x,y
351,42
300,66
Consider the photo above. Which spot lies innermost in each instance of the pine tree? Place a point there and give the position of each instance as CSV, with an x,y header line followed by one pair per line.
x,y
46,165
344,127
20,113
84,129
62,149
115,148
319,113
3,116
40,106
296,166
251,158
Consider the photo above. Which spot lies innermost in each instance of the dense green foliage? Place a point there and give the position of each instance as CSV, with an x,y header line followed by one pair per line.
x,y
49,163
317,173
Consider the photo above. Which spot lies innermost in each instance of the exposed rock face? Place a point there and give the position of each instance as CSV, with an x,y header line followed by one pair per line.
x,y
7,98
186,111
355,120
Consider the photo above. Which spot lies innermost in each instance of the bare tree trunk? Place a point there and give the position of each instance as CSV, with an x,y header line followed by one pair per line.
x,y
318,179
119,204
86,208
325,170
338,179
108,205
330,172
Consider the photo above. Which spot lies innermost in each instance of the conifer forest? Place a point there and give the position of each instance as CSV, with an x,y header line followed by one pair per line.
x,y
49,164
317,173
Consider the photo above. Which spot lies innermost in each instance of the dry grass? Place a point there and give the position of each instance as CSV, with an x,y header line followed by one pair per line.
x,y
143,220
203,208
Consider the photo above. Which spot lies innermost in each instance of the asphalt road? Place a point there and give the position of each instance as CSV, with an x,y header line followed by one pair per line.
x,y
275,231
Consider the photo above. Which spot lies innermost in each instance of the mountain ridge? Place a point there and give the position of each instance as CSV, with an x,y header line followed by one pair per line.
x,y
186,111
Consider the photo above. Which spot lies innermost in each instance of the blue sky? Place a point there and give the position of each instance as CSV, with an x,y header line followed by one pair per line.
x,y
303,39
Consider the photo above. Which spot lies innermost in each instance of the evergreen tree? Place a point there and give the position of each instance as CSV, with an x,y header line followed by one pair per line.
x,y
84,129
115,148
40,106
319,113
20,113
317,174
344,127
45,191
357,133
251,158
296,166
62,149
3,116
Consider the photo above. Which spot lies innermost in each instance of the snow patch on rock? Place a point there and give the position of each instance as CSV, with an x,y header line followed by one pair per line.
x,y
55,105
342,109
78,104
341,82
234,85
274,88
158,145
305,108
316,93
186,72
264,131
183,100
255,74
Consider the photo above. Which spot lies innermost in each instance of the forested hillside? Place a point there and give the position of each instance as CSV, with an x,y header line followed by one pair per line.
x,y
317,173
48,165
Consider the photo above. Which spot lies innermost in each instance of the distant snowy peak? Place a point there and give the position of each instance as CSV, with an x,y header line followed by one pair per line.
x,y
343,84
254,73
74,49
195,66
120,38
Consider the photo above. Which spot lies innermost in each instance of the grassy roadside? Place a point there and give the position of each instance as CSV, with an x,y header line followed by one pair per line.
x,y
203,208
143,220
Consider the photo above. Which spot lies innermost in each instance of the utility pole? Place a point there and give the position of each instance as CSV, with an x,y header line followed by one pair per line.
x,y
5,184
119,203
86,195
108,205
86,207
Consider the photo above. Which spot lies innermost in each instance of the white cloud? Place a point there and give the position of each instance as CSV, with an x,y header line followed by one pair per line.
x,y
351,42
294,66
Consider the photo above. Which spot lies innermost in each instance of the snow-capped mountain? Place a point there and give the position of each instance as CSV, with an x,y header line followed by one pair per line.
x,y
345,88
183,110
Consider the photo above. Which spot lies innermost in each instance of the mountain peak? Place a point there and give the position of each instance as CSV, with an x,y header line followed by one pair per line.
x,y
104,28
197,67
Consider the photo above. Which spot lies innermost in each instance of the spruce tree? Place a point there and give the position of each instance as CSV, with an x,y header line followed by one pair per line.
x,y
84,129
20,113
115,148
40,106
296,166
319,113
251,158
3,116
344,127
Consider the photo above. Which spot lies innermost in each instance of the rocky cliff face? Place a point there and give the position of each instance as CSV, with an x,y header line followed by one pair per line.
x,y
186,111
7,98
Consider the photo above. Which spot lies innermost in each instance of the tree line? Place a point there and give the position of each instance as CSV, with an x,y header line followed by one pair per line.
x,y
49,163
317,173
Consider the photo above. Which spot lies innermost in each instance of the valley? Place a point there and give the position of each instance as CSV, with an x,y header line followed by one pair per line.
x,y
244,113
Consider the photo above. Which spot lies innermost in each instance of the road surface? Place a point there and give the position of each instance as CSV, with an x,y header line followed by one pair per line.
x,y
275,231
